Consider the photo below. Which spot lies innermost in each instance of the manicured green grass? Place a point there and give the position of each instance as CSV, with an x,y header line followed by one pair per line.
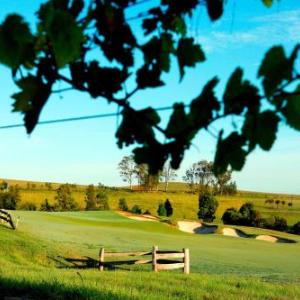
x,y
33,261
57,284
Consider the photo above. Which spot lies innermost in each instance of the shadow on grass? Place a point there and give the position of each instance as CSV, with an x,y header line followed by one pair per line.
x,y
91,263
24,290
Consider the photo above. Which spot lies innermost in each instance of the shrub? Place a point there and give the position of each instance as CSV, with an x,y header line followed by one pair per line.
x,y
123,204
136,210
207,207
29,206
10,199
3,186
169,208
161,211
102,201
248,215
230,189
147,212
280,224
231,216
46,206
276,223
64,200
296,228
90,198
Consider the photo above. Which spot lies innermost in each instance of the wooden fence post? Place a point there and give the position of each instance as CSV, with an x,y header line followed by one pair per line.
x,y
186,261
154,259
101,259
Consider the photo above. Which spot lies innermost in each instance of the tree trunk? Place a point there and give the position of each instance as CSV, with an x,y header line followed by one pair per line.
x,y
166,185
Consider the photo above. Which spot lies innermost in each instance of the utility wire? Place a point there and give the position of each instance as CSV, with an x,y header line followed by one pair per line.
x,y
81,118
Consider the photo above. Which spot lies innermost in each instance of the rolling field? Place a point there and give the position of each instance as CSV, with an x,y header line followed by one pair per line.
x,y
185,204
33,261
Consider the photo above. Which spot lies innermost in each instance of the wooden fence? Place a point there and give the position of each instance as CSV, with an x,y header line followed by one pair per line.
x,y
6,217
160,260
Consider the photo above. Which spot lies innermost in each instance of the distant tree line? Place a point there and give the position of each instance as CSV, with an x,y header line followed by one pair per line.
x,y
9,196
132,173
200,177
271,202
164,209
95,199
248,216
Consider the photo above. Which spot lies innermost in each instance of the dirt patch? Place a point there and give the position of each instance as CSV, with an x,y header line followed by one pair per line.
x,y
196,227
234,232
138,217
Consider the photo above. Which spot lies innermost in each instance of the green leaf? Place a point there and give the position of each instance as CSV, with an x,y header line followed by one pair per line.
x,y
268,125
178,121
230,152
214,9
240,94
268,3
276,68
291,111
188,54
65,36
149,76
205,106
261,129
16,42
31,100
157,51
29,86
136,127
179,25
153,155
103,81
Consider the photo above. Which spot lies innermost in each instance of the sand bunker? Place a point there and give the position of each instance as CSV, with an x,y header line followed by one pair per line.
x,y
234,232
273,239
201,228
262,237
267,238
196,227
138,217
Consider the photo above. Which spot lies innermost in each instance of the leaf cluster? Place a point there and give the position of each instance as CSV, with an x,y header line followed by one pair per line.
x,y
93,48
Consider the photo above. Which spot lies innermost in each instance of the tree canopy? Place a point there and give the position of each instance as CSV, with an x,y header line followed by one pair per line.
x,y
67,33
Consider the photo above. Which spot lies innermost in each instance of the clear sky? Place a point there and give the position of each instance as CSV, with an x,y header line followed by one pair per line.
x,y
86,151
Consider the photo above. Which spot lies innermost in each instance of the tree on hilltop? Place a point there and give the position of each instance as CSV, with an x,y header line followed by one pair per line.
x,y
102,201
199,175
64,199
127,169
167,175
90,198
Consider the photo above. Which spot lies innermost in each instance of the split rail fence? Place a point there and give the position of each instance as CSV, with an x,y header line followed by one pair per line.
x,y
160,259
6,217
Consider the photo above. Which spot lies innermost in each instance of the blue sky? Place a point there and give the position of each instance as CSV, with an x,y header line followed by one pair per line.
x,y
86,152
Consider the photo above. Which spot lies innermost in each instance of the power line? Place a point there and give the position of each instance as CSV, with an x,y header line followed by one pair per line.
x,y
81,118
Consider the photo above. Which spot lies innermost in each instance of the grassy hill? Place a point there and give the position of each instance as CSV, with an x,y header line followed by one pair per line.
x,y
34,261
185,204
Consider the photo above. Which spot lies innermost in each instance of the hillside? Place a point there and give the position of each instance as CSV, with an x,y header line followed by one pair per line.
x,y
36,261
185,204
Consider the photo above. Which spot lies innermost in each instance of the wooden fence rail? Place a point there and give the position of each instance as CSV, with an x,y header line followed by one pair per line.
x,y
160,260
6,217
